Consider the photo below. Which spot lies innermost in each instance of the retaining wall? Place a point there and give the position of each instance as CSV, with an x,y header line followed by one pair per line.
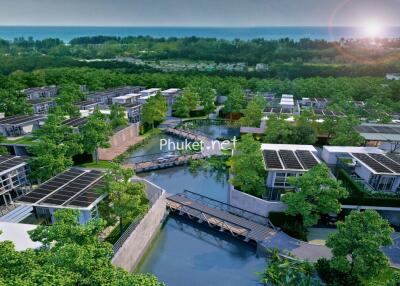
x,y
129,255
252,204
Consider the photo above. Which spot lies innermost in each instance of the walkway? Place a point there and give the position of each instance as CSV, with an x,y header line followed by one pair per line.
x,y
236,221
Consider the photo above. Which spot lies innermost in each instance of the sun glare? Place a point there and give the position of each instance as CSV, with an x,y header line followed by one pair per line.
x,y
373,29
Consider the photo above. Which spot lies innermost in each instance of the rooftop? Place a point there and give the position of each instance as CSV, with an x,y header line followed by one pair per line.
x,y
74,188
288,157
381,164
20,119
9,162
18,234
128,96
379,132
75,121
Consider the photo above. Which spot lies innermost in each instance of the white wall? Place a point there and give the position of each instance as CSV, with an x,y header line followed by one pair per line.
x,y
252,204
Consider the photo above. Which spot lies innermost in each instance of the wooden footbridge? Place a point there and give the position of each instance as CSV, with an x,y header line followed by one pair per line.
x,y
238,222
162,163
185,134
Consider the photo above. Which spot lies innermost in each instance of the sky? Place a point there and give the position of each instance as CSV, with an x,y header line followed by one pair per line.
x,y
223,13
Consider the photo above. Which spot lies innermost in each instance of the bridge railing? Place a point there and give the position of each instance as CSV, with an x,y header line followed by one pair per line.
x,y
228,208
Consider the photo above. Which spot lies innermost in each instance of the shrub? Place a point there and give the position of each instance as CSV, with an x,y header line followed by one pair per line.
x,y
334,277
291,225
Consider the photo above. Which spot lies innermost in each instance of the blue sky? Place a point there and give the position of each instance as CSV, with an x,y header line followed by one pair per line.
x,y
198,12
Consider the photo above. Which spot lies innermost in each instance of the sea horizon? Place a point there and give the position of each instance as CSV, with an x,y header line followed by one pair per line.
x,y
67,33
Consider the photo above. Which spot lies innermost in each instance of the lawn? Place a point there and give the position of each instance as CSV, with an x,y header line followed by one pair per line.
x,y
26,140
100,165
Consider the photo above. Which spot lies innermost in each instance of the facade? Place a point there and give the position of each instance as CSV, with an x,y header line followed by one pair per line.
x,y
13,177
105,97
72,189
87,105
384,136
20,125
40,92
42,105
283,161
133,112
371,166
170,96
149,92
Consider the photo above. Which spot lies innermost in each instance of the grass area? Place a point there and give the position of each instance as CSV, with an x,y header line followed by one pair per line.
x,y
26,140
100,165
383,278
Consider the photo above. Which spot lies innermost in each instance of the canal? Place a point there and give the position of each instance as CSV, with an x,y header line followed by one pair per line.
x,y
187,253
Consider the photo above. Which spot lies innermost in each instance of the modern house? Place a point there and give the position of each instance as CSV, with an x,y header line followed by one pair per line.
x,y
384,136
149,92
13,177
371,166
170,96
133,112
126,99
285,105
105,97
317,103
40,92
283,161
20,125
42,105
75,123
72,189
87,104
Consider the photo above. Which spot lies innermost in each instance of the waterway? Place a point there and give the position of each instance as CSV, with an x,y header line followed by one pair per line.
x,y
187,253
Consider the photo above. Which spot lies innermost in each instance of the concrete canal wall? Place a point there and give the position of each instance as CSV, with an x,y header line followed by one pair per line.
x,y
252,204
129,255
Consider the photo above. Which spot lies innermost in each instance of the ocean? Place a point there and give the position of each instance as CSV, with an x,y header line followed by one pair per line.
x,y
296,33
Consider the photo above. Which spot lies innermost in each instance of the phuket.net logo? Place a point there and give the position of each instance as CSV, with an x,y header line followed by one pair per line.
x,y
188,145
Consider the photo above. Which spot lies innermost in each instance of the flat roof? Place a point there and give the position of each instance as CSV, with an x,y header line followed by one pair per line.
x,y
86,102
379,163
40,100
127,96
20,119
74,188
151,89
287,157
17,233
379,132
328,113
10,162
351,149
171,90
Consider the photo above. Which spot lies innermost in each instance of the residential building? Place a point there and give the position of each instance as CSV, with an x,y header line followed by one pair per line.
x,y
42,105
126,99
170,96
371,166
283,161
75,123
384,136
133,112
20,125
72,189
87,104
105,97
13,177
40,92
317,103
149,92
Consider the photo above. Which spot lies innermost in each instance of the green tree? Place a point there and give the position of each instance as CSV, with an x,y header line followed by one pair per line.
x,y
56,145
344,133
282,271
247,166
3,149
117,116
68,95
72,254
356,247
13,102
96,133
235,101
253,113
316,193
207,97
279,131
154,110
181,107
125,199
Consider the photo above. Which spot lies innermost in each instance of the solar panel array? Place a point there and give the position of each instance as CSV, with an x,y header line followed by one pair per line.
x,y
278,110
329,113
394,157
374,164
382,159
19,119
71,188
75,121
8,162
271,159
290,160
378,129
307,159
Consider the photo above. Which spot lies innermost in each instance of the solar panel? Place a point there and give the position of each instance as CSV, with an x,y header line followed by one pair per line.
x,y
271,159
373,164
378,129
318,111
290,160
392,165
18,119
394,157
8,162
307,159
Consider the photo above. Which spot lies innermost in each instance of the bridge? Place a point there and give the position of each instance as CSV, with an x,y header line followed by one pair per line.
x,y
164,160
238,222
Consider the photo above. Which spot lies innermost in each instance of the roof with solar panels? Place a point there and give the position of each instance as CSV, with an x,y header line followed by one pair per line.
x,y
380,164
288,157
379,132
74,188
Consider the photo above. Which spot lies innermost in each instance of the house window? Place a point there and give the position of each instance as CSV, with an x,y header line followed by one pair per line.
x,y
281,179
